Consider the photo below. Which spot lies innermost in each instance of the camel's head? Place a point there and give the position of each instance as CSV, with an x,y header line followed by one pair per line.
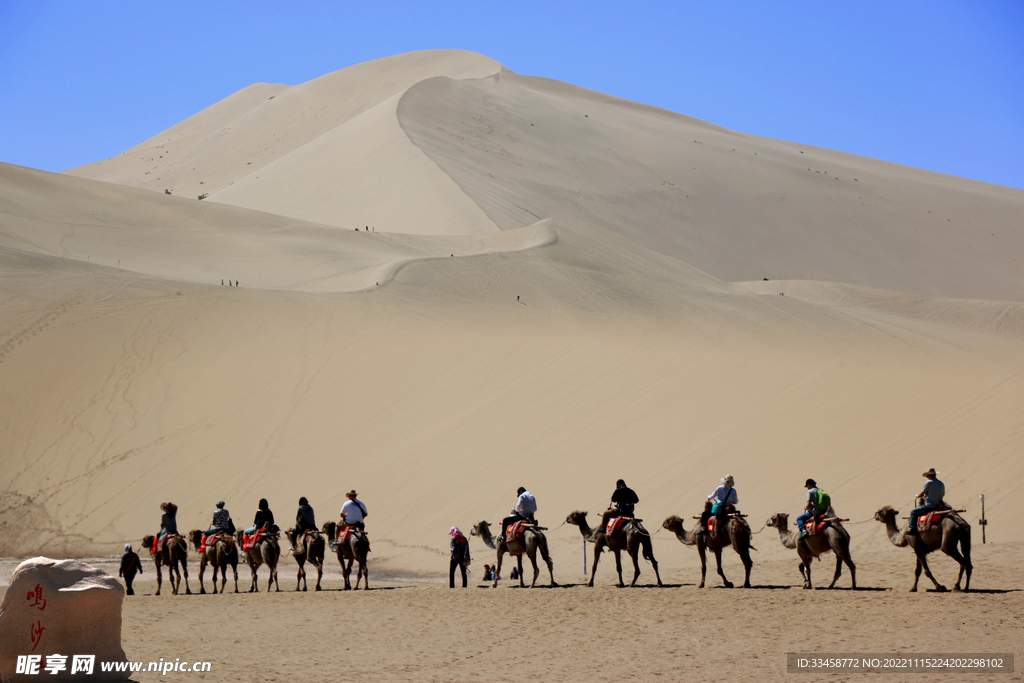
x,y
576,517
196,536
887,513
290,533
672,523
778,520
481,528
147,541
330,528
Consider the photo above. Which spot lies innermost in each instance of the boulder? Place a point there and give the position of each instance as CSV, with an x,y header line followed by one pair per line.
x,y
55,615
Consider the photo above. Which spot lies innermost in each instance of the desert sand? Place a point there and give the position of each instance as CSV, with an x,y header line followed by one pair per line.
x,y
559,288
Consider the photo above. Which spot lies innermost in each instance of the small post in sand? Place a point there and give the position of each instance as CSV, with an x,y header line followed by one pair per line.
x,y
983,522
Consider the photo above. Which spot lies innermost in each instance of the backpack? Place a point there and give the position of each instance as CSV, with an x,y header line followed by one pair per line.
x,y
824,501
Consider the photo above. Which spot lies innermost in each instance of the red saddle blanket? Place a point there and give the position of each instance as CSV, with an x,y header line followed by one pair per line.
x,y
344,534
212,539
159,543
614,524
713,530
249,541
927,521
815,525
515,532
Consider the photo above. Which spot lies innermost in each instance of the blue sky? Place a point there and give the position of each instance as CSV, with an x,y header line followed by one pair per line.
x,y
938,85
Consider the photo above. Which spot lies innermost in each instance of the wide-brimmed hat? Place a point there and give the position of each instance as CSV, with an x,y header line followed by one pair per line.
x,y
728,480
930,473
352,493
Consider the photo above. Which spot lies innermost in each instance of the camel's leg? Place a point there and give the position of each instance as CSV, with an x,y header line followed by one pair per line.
x,y
159,578
497,572
636,567
536,569
701,550
718,561
598,547
748,564
618,567
806,560
547,560
853,568
965,548
184,570
346,572
300,575
648,550
519,562
949,542
174,574
803,573
202,571
917,575
839,570
927,572
234,569
319,574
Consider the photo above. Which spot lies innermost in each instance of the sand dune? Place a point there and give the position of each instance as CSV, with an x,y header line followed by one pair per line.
x,y
561,304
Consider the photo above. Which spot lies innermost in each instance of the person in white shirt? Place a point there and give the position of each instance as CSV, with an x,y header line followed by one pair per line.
x,y
723,500
353,511
525,508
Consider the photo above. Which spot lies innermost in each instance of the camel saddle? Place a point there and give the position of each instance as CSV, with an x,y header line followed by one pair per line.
x,y
515,531
815,525
926,521
212,539
158,543
344,533
614,524
249,541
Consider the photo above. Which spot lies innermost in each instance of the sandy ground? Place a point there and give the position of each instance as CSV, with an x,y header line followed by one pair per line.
x,y
417,629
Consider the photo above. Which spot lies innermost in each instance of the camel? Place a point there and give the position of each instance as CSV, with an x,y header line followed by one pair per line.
x,y
174,552
533,540
312,551
267,552
356,548
738,537
222,554
945,536
833,539
631,537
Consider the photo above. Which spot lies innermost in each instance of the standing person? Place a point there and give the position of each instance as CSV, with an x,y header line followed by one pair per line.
x,y
624,499
353,511
460,556
305,519
525,509
929,499
264,518
130,565
812,507
723,500
221,521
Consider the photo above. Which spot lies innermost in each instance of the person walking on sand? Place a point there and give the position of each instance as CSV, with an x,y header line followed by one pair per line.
x,y
460,556
130,565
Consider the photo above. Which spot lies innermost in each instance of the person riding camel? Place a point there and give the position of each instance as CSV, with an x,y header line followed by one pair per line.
x,y
930,498
720,503
812,508
264,518
168,520
353,512
221,521
622,504
305,519
526,507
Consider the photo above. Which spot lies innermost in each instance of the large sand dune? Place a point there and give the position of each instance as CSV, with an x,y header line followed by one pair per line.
x,y
570,292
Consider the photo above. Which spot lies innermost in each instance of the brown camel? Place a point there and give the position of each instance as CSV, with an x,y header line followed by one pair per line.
x,y
834,539
356,548
312,551
737,535
267,552
945,536
220,555
631,537
173,554
533,540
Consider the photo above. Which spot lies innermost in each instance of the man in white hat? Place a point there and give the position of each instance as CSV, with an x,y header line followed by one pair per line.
x,y
721,502
932,494
353,511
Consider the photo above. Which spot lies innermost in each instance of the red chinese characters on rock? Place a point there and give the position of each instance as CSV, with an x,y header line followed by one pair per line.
x,y
39,602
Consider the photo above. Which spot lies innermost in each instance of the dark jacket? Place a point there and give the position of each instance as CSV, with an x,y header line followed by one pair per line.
x,y
130,564
263,519
625,498
460,550
305,517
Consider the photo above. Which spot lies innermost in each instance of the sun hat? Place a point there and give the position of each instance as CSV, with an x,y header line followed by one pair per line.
x,y
352,493
930,473
728,480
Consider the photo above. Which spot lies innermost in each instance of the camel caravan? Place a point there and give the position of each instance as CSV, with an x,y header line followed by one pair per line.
x,y
932,525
